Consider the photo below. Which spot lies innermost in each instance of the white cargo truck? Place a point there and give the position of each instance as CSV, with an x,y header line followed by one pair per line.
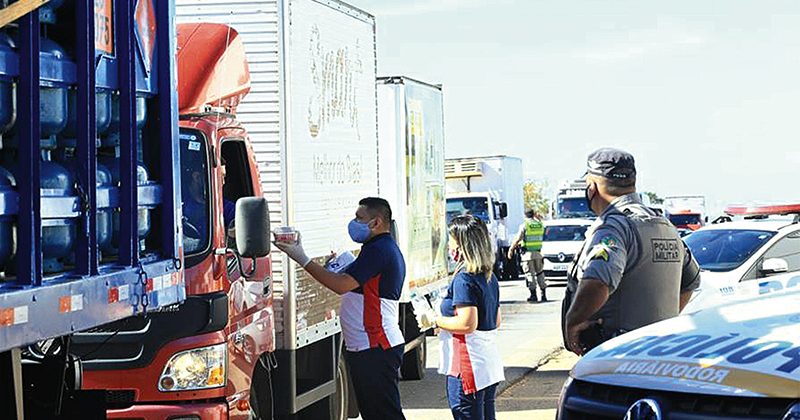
x,y
490,188
311,117
571,201
411,178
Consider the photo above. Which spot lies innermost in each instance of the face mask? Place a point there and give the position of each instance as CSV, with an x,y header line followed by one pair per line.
x,y
359,232
588,199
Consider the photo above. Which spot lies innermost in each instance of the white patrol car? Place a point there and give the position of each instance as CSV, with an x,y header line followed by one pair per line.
x,y
561,243
739,358
765,243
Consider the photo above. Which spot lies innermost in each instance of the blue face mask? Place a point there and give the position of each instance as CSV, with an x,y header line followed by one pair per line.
x,y
359,232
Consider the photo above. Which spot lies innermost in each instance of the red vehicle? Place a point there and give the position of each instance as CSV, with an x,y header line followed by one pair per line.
x,y
211,356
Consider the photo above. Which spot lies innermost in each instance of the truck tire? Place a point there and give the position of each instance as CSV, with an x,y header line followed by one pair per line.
x,y
261,393
414,361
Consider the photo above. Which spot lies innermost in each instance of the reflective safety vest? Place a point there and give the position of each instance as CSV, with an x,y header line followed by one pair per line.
x,y
534,232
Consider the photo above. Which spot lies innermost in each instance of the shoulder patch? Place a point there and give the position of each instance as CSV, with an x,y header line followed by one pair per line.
x,y
599,252
609,241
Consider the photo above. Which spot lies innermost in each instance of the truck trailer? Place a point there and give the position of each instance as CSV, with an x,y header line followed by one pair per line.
x,y
90,229
490,188
411,161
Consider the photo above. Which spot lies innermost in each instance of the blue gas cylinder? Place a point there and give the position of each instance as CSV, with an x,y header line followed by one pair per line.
x,y
105,224
58,234
7,184
57,73
8,70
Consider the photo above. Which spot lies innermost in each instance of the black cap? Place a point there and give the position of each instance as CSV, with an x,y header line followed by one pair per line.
x,y
611,163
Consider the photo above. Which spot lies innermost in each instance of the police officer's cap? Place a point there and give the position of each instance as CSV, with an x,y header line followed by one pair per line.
x,y
611,163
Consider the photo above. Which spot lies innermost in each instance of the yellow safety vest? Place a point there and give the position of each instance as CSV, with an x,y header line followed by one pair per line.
x,y
534,233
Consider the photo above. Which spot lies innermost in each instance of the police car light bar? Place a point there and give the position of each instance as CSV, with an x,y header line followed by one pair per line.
x,y
764,210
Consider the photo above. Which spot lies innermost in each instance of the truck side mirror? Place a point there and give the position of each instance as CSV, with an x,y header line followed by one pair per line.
x,y
773,266
252,227
503,210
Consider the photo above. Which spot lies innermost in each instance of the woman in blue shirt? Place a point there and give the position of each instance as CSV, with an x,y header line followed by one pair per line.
x,y
469,322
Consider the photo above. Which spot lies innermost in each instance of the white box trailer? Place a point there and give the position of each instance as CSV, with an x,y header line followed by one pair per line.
x,y
491,188
311,117
411,159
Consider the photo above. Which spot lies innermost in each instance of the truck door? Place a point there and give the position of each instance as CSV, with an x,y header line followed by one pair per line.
x,y
250,288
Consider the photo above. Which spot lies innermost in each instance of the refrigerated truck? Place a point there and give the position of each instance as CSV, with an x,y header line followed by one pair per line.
x,y
89,228
490,188
411,178
277,100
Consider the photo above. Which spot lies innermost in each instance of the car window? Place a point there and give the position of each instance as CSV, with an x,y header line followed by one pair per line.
x,y
725,250
787,249
565,233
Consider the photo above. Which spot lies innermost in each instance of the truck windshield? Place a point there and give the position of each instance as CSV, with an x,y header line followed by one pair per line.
x,y
574,207
565,233
685,219
476,206
194,192
725,250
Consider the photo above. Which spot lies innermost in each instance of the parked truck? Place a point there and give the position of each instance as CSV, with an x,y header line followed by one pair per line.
x,y
571,201
411,161
257,337
490,188
90,229
686,212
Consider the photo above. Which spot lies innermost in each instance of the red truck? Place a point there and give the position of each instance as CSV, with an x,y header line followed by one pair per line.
x,y
254,338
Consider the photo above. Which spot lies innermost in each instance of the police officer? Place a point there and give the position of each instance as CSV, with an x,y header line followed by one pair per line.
x,y
530,235
633,270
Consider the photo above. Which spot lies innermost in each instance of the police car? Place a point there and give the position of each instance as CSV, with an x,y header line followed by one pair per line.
x,y
561,243
765,242
738,358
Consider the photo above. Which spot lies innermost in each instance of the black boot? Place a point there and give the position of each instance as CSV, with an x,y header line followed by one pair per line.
x,y
533,298
544,295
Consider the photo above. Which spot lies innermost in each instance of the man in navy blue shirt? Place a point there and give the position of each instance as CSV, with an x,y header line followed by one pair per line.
x,y
370,289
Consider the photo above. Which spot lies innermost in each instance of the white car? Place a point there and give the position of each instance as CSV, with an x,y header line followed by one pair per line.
x,y
562,241
743,250
736,359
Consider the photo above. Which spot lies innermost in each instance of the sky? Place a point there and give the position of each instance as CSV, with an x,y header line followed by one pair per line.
x,y
705,94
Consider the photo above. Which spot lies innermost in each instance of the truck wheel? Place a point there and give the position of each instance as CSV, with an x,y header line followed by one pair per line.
x,y
261,394
413,367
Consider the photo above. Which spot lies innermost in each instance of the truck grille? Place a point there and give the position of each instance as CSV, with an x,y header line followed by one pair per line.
x,y
586,400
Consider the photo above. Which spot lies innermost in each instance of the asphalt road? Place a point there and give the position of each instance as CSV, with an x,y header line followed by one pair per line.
x,y
535,396
530,335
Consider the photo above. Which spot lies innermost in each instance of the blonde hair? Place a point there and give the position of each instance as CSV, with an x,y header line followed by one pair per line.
x,y
472,238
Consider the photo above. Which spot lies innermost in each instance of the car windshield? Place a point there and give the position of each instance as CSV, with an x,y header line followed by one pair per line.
x,y
725,250
476,206
574,207
685,219
565,233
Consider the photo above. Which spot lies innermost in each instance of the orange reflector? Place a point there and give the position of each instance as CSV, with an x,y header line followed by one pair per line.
x,y
64,304
6,317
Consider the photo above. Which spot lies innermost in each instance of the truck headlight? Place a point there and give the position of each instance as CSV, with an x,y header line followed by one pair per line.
x,y
793,413
200,368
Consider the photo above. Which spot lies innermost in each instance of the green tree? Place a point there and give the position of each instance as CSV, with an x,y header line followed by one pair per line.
x,y
534,196
654,198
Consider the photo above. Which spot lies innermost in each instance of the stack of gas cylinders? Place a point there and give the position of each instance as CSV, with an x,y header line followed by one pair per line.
x,y
61,196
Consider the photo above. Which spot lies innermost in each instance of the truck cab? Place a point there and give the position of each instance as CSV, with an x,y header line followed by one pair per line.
x,y
200,359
